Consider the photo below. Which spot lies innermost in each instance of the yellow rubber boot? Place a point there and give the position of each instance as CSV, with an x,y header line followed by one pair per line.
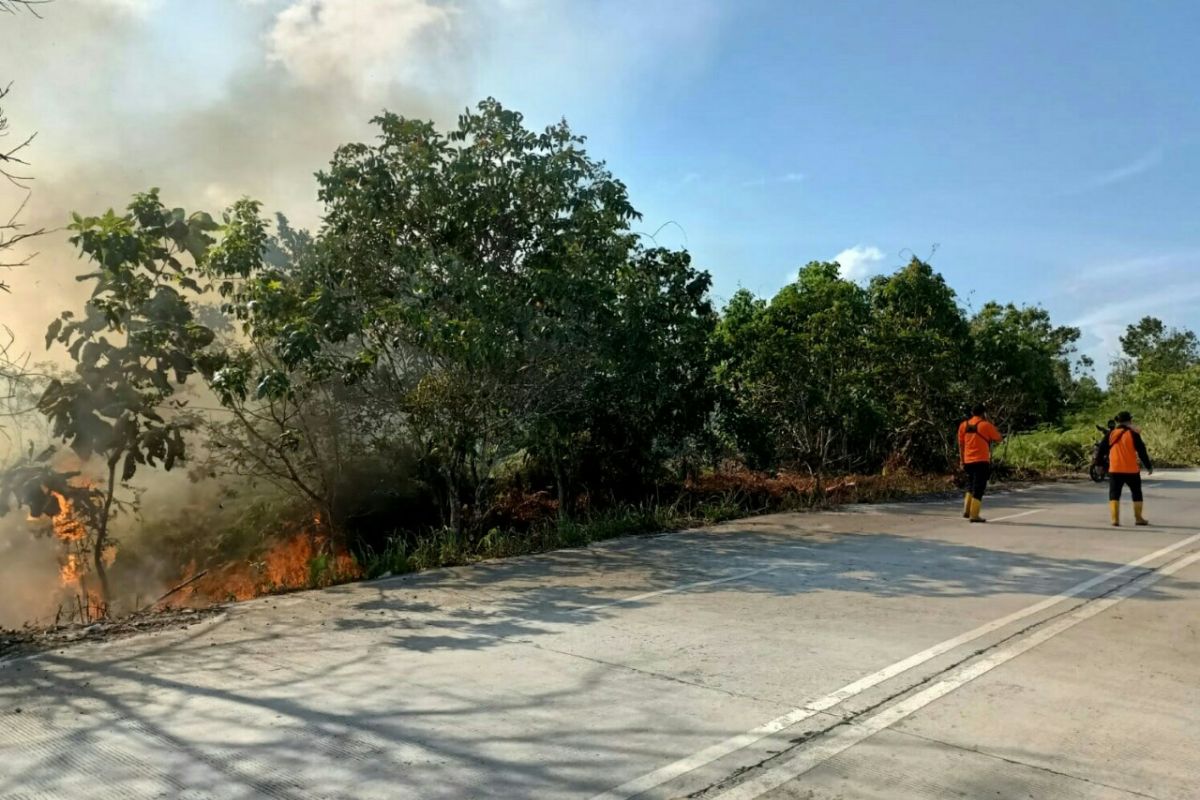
x,y
976,507
1114,510
1138,519
967,506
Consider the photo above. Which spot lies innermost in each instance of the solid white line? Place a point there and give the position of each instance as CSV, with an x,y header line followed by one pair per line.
x,y
733,744
673,589
845,737
1021,514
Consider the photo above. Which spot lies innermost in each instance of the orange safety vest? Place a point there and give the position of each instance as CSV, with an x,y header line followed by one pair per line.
x,y
1122,454
975,438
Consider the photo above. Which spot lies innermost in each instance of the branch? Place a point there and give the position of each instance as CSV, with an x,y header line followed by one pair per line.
x,y
13,6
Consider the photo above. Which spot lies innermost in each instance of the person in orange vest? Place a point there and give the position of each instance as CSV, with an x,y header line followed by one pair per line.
x,y
1125,448
975,439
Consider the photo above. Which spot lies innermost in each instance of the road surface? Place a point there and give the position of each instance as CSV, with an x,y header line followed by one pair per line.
x,y
874,652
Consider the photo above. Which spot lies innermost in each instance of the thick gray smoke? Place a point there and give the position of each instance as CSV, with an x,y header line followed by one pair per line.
x,y
255,109
266,93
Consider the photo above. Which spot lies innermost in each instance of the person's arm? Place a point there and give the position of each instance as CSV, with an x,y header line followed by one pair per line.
x,y
993,434
962,443
1140,446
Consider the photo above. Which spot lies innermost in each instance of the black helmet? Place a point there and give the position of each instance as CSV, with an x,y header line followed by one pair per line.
x,y
1124,416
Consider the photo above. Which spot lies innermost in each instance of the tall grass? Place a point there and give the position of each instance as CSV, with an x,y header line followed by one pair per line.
x,y
1169,439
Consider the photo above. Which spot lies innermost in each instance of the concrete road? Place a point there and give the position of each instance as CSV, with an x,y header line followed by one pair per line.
x,y
875,652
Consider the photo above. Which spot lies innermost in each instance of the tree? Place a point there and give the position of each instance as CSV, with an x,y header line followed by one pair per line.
x,y
920,343
13,173
1020,364
1150,346
484,286
653,391
136,341
31,6
734,342
804,371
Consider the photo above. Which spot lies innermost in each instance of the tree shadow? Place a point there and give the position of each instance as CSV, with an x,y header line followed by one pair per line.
x,y
457,683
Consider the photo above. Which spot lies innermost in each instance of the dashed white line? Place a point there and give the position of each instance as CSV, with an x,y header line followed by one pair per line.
x,y
721,749
1020,514
843,738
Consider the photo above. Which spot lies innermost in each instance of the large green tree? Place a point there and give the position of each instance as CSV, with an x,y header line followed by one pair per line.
x,y
920,342
484,286
1150,346
798,373
1020,364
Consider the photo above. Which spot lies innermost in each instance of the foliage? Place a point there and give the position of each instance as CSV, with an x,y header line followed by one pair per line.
x,y
483,294
134,343
1149,347
1021,364
1157,378
797,373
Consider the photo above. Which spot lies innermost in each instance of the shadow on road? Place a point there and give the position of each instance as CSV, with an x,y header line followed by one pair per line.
x,y
360,690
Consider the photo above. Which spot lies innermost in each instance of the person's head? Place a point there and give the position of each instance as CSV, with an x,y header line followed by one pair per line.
x,y
1124,418
979,410
1112,423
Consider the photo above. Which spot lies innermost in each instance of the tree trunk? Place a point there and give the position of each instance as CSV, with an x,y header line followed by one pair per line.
x,y
560,484
102,537
454,491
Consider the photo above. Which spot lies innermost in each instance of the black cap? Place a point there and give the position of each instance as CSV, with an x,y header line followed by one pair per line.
x,y
1124,416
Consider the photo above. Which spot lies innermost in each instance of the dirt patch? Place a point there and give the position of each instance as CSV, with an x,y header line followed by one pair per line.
x,y
30,640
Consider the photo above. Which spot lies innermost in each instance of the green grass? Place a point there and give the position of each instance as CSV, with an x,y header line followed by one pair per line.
x,y
1051,451
1068,449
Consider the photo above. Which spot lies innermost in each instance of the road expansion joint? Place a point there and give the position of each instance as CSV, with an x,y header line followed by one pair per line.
x,y
650,673
1019,763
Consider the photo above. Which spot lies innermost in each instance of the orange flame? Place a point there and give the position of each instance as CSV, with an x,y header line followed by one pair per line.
x,y
71,572
305,559
67,525
72,535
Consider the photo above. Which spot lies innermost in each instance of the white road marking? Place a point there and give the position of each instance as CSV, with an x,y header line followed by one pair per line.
x,y
721,749
845,737
1021,514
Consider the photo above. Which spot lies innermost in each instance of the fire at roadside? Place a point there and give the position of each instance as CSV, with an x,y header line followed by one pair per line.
x,y
73,600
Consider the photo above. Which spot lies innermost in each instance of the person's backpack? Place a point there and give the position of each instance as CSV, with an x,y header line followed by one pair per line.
x,y
1104,446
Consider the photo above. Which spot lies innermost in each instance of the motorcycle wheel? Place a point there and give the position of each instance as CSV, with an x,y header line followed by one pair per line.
x,y
1097,473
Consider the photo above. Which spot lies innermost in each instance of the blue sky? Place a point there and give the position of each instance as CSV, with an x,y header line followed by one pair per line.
x,y
1047,150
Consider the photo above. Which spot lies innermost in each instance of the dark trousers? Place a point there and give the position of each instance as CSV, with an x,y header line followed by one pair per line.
x,y
977,478
1133,480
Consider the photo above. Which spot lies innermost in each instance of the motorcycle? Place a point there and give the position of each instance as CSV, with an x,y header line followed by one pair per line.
x,y
1098,470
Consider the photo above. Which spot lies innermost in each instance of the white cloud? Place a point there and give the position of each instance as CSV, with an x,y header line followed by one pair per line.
x,y
359,43
1165,285
787,177
1143,163
860,261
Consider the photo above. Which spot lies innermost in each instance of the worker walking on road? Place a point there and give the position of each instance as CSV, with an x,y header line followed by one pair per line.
x,y
975,439
1125,448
